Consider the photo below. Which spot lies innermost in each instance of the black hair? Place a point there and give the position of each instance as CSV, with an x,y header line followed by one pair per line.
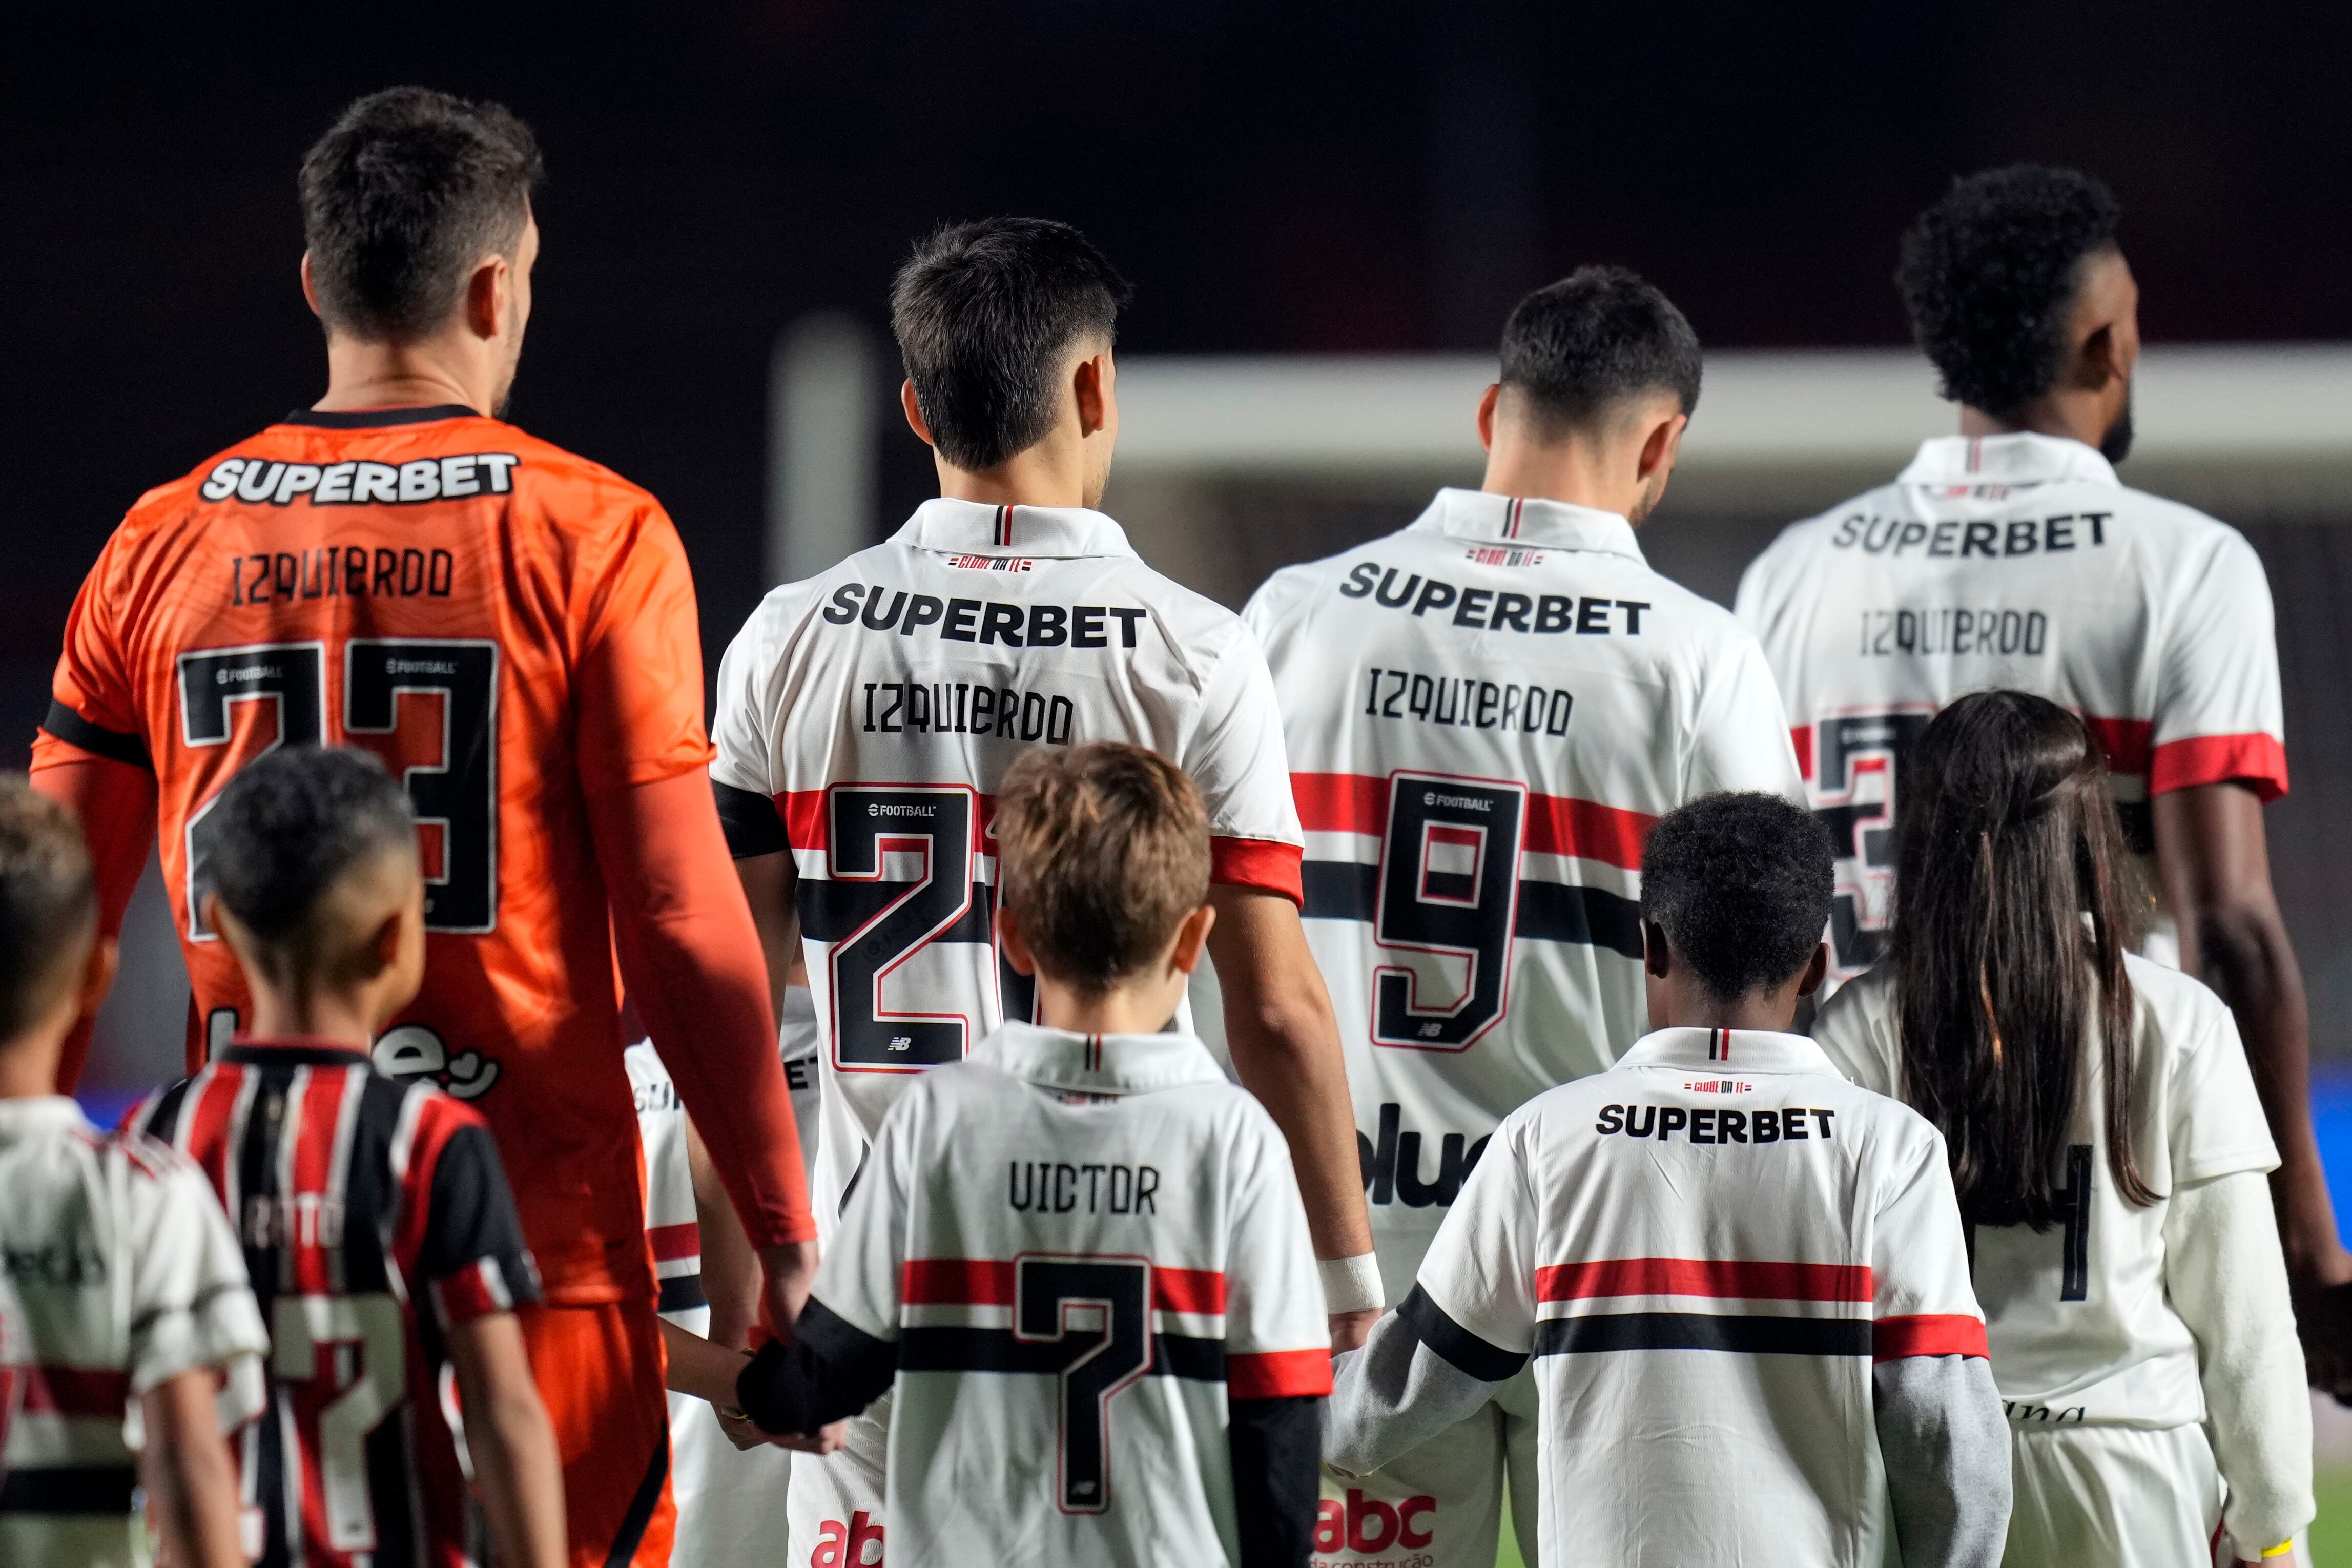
x,y
1989,275
984,313
48,904
2007,840
1601,334
1741,884
292,823
406,191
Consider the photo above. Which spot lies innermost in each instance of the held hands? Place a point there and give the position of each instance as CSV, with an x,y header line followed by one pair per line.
x,y
745,1434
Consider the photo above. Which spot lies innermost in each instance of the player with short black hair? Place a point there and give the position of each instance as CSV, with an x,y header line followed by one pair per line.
x,y
1578,350
984,314
2011,556
867,717
375,1213
1742,1283
400,196
1080,1254
1485,713
2109,1150
129,1342
512,629
1731,887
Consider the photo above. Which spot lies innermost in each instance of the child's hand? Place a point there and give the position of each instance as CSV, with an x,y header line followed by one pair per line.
x,y
747,1434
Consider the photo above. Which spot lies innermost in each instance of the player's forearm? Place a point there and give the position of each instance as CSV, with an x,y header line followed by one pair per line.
x,y
2225,1278
692,960
510,1442
829,1369
115,803
1946,1447
699,1368
1277,1452
1286,1049
769,885
730,1269
190,1476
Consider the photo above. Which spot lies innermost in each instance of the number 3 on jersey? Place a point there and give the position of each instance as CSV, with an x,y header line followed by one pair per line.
x,y
1449,889
442,745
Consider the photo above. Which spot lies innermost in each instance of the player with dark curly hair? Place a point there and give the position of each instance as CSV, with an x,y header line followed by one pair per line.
x,y
2010,555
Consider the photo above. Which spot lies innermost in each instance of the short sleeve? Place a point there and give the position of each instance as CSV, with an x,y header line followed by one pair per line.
x,y
1739,734
2217,1126
1237,759
1277,1340
865,1273
473,1261
1856,1030
190,1304
2218,711
639,693
741,727
1921,1297
1480,1271
93,700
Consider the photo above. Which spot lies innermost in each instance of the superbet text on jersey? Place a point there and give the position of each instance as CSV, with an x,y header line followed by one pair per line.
x,y
1485,713
508,626
2012,560
865,716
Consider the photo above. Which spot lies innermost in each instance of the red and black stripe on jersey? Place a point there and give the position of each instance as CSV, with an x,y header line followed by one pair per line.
x,y
353,1194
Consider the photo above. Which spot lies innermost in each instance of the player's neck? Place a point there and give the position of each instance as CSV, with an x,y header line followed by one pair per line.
x,y
340,1019
1570,471
1051,473
1137,1009
428,374
29,1064
2070,416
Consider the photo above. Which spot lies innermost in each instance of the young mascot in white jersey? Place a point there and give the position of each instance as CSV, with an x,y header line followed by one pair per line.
x,y
1081,1253
1485,713
865,717
2108,1151
1742,1280
128,1340
2009,555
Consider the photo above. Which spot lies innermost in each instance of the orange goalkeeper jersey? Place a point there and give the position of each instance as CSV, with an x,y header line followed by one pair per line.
x,y
509,627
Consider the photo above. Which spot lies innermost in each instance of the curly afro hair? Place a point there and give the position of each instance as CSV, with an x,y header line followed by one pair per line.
x,y
1988,274
1741,884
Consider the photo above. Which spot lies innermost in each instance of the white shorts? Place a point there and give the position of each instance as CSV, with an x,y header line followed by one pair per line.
x,y
730,1501
2113,1496
835,1506
1440,1505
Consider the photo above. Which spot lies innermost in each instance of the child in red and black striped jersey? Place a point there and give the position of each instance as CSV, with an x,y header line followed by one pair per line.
x,y
377,1224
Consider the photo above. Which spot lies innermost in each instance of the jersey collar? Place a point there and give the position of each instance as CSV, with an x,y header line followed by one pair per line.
x,y
1098,1063
2021,457
38,1114
291,1050
1531,519
1726,1050
371,418
974,528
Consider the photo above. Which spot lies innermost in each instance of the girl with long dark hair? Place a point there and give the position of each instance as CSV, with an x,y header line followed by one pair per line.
x,y
2108,1150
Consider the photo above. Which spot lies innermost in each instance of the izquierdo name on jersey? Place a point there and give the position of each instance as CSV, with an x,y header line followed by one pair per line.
x,y
269,481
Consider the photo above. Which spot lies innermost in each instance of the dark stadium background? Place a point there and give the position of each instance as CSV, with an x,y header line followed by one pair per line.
x,y
1274,177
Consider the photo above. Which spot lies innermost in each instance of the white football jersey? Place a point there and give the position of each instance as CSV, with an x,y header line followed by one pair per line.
x,y
730,1501
118,1273
1705,1249
2081,1327
1485,713
1081,1246
878,705
2012,560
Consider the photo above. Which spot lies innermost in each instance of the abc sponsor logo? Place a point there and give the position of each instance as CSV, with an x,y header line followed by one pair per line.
x,y
840,1545
1366,1525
